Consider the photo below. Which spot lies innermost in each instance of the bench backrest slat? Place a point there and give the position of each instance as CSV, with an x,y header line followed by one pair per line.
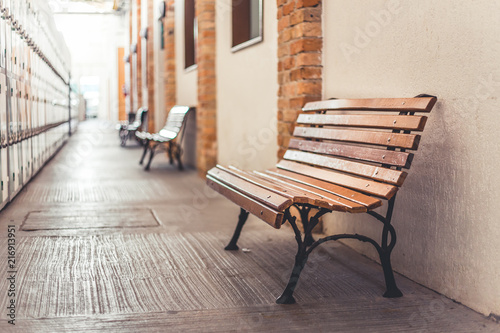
x,y
407,141
383,156
421,104
387,175
175,123
393,122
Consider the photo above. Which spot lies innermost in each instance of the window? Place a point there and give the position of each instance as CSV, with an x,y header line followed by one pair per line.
x,y
190,34
247,23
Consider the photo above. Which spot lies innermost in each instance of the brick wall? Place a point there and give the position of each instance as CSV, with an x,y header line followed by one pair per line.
x,y
300,45
206,149
131,85
139,57
151,65
170,91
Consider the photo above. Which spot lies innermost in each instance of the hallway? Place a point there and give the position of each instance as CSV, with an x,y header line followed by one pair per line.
x,y
102,245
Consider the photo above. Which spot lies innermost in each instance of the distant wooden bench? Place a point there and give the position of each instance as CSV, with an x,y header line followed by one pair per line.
x,y
127,131
347,155
169,138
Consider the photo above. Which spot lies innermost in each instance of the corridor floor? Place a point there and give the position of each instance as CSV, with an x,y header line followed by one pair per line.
x,y
102,245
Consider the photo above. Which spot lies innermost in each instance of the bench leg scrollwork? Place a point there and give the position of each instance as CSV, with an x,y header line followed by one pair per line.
x,y
306,244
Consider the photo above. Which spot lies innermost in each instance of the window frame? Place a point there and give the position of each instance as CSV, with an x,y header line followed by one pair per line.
x,y
190,36
251,41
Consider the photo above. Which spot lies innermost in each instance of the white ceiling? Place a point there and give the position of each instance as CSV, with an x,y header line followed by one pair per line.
x,y
85,6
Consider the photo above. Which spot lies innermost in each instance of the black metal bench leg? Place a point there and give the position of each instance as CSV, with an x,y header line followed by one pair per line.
x,y
123,137
390,282
170,154
300,261
178,154
242,218
151,155
146,147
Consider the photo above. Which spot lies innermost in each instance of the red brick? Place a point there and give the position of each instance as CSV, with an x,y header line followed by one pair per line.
x,y
288,8
306,29
309,88
308,44
308,3
308,59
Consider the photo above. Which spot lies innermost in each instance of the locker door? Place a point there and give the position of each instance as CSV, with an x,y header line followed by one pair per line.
x,y
8,44
13,135
3,41
29,141
4,162
23,131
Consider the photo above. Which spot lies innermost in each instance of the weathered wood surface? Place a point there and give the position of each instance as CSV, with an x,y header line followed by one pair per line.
x,y
423,104
389,157
404,123
388,139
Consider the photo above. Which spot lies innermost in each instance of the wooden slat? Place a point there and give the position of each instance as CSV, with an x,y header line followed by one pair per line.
x,y
384,156
337,203
269,198
265,213
421,104
407,141
293,194
359,184
304,194
386,175
406,123
343,192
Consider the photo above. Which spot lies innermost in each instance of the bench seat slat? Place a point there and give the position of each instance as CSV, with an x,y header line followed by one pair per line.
x,y
421,104
390,176
293,194
265,196
343,192
407,141
304,195
382,190
406,123
337,202
390,157
263,212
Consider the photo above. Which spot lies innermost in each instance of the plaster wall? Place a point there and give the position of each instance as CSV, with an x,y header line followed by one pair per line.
x,y
247,89
445,215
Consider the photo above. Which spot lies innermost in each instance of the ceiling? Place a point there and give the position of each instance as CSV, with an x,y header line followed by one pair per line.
x,y
87,6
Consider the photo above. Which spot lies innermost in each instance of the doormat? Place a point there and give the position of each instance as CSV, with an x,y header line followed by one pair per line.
x,y
90,219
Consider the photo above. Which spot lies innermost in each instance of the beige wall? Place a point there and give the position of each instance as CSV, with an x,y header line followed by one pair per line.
x,y
187,93
159,55
247,94
446,215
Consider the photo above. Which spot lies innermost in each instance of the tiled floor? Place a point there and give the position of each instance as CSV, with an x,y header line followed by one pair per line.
x,y
104,246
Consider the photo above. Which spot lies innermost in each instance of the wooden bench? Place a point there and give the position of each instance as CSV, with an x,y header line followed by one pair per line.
x,y
346,155
127,130
169,138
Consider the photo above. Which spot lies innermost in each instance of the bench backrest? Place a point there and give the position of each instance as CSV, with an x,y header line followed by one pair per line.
x,y
358,143
140,119
176,122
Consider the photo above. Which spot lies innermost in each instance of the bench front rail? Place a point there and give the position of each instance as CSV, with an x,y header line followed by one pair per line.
x,y
347,155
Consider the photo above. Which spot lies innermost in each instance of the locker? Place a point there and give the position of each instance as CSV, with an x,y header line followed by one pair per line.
x,y
13,135
3,46
4,163
29,139
25,146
